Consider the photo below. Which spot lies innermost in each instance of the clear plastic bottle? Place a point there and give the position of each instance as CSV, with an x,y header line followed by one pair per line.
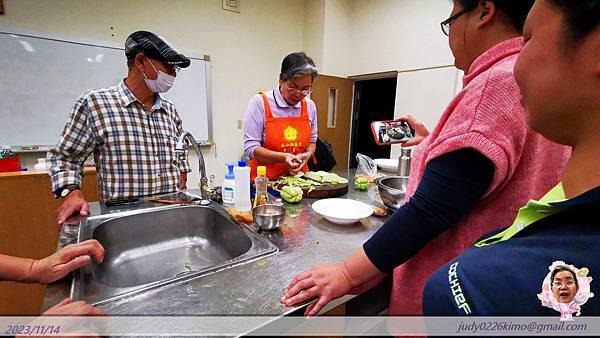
x,y
241,192
260,183
228,185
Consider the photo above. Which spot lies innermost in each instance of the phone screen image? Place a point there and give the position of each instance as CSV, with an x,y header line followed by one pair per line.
x,y
391,132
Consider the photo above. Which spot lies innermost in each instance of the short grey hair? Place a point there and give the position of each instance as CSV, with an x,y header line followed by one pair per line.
x,y
297,65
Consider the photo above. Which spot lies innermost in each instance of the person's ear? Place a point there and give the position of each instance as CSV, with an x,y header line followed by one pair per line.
x,y
139,62
487,10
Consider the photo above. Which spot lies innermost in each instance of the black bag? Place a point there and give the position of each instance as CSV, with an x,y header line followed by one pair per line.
x,y
323,157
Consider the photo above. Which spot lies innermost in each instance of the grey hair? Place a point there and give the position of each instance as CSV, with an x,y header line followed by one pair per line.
x,y
297,65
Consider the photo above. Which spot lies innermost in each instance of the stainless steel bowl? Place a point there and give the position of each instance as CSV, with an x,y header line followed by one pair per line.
x,y
268,216
392,190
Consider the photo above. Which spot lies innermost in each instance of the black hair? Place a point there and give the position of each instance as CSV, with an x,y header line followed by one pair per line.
x,y
296,65
130,62
563,268
516,10
580,17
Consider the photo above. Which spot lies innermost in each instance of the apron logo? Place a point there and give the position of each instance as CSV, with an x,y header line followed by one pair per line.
x,y
290,133
565,289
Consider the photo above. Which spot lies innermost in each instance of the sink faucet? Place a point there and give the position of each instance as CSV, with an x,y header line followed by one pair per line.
x,y
180,147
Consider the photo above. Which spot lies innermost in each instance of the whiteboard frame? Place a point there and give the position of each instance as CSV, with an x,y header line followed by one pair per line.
x,y
112,45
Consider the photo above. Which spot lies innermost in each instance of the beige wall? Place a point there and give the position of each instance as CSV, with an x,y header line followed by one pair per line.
x,y
354,37
314,24
246,49
397,35
338,47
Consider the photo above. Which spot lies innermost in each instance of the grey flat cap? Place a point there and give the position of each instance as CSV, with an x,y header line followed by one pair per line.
x,y
154,47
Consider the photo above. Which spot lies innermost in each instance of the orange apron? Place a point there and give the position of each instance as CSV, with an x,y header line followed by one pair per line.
x,y
283,134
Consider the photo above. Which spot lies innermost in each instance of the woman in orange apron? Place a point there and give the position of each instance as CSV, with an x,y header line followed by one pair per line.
x,y
280,126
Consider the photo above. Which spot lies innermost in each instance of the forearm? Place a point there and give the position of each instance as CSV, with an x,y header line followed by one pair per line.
x,y
449,189
66,159
359,269
63,169
311,148
16,269
269,156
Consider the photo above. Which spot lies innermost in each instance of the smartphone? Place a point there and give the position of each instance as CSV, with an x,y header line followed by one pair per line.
x,y
391,132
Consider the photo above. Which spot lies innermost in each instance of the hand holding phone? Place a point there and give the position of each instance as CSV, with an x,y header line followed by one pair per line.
x,y
391,132
420,132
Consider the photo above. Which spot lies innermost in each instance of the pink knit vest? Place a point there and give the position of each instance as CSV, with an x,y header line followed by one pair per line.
x,y
488,117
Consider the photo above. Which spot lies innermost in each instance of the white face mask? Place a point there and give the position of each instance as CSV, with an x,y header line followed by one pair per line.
x,y
162,83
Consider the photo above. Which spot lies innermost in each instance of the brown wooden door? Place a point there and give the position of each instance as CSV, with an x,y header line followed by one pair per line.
x,y
333,97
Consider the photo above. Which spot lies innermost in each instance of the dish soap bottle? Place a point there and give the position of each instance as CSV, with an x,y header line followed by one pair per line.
x,y
241,192
260,182
228,185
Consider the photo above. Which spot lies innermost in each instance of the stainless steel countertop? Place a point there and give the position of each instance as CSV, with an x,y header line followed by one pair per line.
x,y
251,289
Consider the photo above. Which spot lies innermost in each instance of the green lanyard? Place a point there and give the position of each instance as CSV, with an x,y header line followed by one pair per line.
x,y
532,212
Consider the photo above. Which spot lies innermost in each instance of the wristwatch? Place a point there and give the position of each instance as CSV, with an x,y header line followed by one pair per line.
x,y
64,192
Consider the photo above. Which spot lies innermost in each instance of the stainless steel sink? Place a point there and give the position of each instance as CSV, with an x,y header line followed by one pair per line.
x,y
149,248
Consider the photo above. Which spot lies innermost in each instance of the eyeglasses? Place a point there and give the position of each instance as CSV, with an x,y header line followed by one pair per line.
x,y
567,283
295,91
446,24
170,68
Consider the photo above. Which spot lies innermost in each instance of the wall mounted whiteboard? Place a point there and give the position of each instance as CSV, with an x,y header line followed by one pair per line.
x,y
43,75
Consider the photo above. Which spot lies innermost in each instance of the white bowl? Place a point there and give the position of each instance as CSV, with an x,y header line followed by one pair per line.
x,y
387,164
341,210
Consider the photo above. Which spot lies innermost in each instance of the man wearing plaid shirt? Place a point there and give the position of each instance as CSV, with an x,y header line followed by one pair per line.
x,y
130,129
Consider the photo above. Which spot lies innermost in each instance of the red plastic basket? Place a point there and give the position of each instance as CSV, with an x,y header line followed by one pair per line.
x,y
10,164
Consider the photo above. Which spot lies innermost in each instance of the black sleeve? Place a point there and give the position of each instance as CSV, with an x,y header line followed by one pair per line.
x,y
451,185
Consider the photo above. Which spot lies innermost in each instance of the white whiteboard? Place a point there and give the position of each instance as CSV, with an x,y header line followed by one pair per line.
x,y
43,75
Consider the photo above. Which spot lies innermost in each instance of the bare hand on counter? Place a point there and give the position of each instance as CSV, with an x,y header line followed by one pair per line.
x,y
421,131
182,181
68,308
325,281
79,308
65,260
74,203
330,281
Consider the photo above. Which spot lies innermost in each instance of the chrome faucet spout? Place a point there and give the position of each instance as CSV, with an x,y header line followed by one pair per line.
x,y
180,147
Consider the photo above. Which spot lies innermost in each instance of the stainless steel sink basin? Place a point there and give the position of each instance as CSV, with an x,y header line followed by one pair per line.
x,y
148,248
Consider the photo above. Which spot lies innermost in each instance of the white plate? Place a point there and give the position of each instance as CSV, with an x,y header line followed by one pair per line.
x,y
387,164
341,210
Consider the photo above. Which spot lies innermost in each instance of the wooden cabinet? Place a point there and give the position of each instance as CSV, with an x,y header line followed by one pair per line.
x,y
28,229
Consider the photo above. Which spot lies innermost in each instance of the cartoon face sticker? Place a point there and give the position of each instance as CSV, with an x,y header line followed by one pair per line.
x,y
565,289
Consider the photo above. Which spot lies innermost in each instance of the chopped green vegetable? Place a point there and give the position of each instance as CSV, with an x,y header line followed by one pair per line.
x,y
325,177
291,194
295,181
187,266
313,176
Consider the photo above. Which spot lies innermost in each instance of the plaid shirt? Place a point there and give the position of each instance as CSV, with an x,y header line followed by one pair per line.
x,y
134,150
